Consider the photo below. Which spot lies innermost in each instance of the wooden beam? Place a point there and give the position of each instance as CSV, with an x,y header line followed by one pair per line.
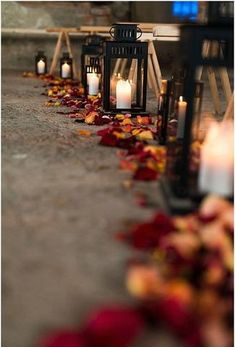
x,y
59,30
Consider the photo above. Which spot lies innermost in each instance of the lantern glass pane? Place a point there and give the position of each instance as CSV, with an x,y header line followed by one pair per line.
x,y
199,143
209,110
211,97
129,70
88,58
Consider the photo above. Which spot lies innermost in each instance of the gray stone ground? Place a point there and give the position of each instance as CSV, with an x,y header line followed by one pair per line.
x,y
63,200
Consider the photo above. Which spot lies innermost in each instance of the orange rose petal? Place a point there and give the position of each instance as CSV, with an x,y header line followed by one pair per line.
x,y
127,165
84,132
126,121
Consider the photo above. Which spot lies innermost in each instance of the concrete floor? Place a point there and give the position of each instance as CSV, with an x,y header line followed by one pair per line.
x,y
63,200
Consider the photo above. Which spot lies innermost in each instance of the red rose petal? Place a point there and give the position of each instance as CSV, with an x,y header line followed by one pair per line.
x,y
103,132
113,327
163,221
100,120
136,149
109,140
63,339
193,339
175,315
144,236
145,174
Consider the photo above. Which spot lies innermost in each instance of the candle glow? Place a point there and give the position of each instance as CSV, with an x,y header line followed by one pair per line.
x,y
123,93
217,160
182,105
93,84
66,70
41,66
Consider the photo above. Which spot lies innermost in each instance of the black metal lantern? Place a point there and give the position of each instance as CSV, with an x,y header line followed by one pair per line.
x,y
125,71
182,184
40,63
66,66
92,49
92,83
171,106
166,108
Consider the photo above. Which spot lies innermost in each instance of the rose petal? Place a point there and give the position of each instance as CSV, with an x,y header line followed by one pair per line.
x,y
145,174
113,327
109,140
63,339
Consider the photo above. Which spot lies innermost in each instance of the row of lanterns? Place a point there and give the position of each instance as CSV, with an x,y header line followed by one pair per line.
x,y
101,60
118,69
66,70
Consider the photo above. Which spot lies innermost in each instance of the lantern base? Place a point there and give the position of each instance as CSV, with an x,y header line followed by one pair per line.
x,y
176,204
132,113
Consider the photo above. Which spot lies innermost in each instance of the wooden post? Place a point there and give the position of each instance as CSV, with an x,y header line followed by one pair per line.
x,y
154,72
117,66
212,79
205,51
63,36
156,65
214,90
132,70
153,77
123,65
229,114
150,83
135,73
56,53
75,73
225,83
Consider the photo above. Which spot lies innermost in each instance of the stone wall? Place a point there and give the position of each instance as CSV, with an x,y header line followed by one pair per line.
x,y
18,50
43,14
153,12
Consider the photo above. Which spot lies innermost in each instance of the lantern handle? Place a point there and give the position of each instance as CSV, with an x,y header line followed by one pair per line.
x,y
111,32
140,33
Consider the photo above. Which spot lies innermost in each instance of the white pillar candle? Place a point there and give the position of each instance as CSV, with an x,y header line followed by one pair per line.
x,y
123,94
41,65
182,105
217,160
93,84
89,74
65,70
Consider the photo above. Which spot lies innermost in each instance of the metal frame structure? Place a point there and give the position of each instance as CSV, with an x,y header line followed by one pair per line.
x,y
93,48
126,46
38,57
95,67
66,58
179,193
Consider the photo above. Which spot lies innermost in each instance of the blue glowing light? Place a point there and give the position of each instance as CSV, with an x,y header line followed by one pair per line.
x,y
185,9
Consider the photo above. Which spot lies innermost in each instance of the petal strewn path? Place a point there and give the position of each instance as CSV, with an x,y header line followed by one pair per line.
x,y
63,200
